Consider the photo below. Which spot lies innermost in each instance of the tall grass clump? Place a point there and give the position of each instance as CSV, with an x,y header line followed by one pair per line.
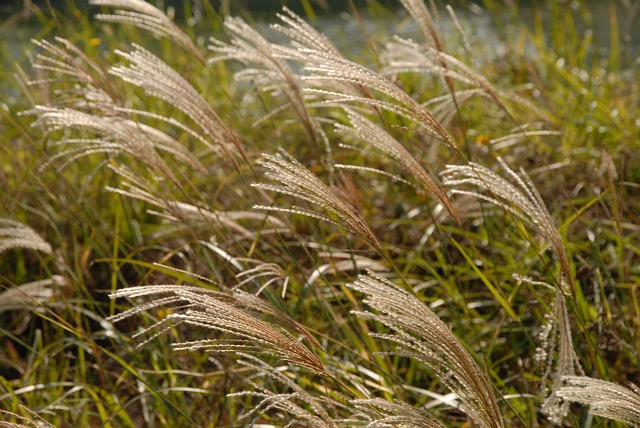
x,y
256,229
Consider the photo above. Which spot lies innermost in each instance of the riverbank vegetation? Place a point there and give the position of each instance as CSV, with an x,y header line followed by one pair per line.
x,y
223,223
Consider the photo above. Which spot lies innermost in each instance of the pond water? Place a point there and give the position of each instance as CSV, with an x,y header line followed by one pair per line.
x,y
357,37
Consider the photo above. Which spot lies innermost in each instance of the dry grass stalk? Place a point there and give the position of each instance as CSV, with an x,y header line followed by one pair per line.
x,y
297,181
379,413
556,339
159,80
274,74
423,336
325,66
304,408
147,17
521,199
606,399
14,234
184,214
366,131
219,312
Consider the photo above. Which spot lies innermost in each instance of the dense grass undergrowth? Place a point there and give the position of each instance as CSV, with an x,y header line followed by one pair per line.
x,y
210,225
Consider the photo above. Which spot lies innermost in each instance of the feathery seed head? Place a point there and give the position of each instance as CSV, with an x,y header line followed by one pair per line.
x,y
297,181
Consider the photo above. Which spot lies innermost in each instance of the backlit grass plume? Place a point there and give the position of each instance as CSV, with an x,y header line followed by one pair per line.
x,y
305,408
63,61
219,313
268,70
559,358
147,17
606,399
184,215
343,301
370,134
324,66
158,79
297,181
111,135
421,335
14,234
380,413
520,198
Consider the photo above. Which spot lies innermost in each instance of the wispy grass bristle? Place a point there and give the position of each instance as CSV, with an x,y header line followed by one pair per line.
x,y
217,312
369,133
297,181
521,199
421,335
379,413
14,234
606,399
147,17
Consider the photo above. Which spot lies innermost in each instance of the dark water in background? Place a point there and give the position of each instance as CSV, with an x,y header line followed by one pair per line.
x,y
335,18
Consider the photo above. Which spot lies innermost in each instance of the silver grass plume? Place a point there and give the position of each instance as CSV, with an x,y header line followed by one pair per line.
x,y
222,313
556,338
271,72
147,17
65,59
342,262
421,335
407,56
257,307
366,131
326,66
303,39
14,234
93,106
187,214
158,79
419,12
96,96
297,181
32,294
305,410
272,272
606,399
463,34
303,35
444,108
521,199
115,135
380,413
